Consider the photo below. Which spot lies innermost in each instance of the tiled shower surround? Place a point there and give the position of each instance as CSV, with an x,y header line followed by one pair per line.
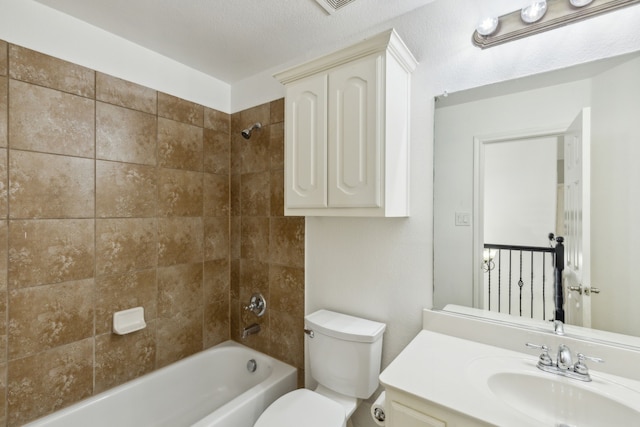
x,y
112,196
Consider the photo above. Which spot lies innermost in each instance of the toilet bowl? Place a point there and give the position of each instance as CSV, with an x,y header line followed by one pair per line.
x,y
344,357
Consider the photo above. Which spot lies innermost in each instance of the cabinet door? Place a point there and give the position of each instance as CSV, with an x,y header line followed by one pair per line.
x,y
355,102
306,143
403,416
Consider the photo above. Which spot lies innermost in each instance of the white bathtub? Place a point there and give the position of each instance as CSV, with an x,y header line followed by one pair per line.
x,y
209,389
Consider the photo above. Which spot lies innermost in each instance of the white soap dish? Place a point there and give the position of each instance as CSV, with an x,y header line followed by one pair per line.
x,y
127,321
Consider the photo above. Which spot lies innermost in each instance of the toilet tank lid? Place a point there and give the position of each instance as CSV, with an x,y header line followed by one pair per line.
x,y
344,327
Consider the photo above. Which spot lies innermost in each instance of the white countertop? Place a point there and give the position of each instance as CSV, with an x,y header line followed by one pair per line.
x,y
440,369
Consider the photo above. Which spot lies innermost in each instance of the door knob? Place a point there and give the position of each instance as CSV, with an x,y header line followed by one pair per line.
x,y
577,289
589,291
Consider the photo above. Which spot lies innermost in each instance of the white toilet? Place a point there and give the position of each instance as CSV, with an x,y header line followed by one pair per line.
x,y
344,356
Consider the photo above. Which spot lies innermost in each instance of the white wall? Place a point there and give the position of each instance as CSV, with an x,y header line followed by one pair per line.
x,y
43,29
615,199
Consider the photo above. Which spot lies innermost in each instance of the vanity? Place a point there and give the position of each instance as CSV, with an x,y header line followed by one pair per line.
x,y
467,371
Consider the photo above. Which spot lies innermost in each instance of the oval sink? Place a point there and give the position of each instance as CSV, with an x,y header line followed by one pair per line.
x,y
554,400
559,401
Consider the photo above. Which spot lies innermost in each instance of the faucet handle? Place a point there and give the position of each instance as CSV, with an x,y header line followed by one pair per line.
x,y
580,367
544,358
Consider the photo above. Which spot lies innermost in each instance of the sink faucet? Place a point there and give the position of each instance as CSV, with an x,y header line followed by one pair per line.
x,y
564,364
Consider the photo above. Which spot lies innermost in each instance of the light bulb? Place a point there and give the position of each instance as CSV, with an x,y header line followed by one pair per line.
x,y
580,3
487,26
534,11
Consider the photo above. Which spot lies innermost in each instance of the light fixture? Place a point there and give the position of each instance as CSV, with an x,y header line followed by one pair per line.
x,y
487,260
534,11
538,16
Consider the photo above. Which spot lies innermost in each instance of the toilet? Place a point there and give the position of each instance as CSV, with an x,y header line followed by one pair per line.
x,y
344,358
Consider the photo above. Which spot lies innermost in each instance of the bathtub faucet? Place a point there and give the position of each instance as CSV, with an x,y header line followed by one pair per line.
x,y
250,330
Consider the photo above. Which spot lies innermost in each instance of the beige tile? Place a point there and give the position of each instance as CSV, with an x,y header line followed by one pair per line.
x,y
255,192
180,241
50,251
287,241
124,291
125,244
125,135
254,153
4,180
216,238
50,186
3,110
180,110
3,58
180,290
216,151
234,320
180,193
236,143
45,317
216,195
3,394
3,329
180,312
4,253
48,381
216,323
125,94
235,233
234,279
254,277
276,199
216,281
235,195
44,70
180,145
277,111
260,113
121,358
286,289
178,337
50,121
276,146
217,120
287,343
125,190
254,240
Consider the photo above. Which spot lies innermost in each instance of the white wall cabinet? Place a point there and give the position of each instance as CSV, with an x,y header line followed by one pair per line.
x,y
347,131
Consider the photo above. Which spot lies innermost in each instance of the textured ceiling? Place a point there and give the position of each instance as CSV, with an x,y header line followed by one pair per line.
x,y
232,39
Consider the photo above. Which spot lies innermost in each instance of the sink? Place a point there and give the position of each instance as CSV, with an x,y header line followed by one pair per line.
x,y
554,400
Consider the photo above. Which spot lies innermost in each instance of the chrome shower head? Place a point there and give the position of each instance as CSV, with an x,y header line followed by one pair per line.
x,y
246,134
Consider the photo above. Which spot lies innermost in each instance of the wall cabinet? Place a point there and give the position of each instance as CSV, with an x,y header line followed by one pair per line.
x,y
347,131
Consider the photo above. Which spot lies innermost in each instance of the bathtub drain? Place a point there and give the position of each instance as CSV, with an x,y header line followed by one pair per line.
x,y
252,365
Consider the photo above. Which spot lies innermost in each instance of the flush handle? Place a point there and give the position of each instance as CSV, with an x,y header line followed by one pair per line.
x,y
309,332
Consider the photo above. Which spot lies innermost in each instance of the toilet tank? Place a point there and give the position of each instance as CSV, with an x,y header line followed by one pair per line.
x,y
345,352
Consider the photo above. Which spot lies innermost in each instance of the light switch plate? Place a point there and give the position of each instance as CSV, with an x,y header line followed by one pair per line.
x,y
463,219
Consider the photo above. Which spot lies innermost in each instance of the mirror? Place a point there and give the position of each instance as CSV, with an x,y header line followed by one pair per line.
x,y
544,106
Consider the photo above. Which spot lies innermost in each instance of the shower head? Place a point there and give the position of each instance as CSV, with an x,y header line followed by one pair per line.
x,y
246,134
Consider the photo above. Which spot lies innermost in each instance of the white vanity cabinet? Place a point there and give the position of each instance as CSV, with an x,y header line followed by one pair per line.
x,y
347,131
404,410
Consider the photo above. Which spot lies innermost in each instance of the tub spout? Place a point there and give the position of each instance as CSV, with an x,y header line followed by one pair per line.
x,y
250,330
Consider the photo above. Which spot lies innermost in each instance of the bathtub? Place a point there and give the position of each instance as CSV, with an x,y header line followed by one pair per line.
x,y
213,388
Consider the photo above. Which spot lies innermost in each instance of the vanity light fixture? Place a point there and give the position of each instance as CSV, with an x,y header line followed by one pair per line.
x,y
538,16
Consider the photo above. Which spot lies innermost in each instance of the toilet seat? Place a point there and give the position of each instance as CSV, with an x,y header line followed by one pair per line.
x,y
303,407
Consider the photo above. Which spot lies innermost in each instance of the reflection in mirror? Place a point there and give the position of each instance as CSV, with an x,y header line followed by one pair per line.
x,y
556,152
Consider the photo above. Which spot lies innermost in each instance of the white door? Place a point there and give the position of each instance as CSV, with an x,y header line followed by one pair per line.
x,y
354,139
577,220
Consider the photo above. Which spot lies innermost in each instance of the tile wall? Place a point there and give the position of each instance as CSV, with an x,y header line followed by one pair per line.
x,y
113,195
267,248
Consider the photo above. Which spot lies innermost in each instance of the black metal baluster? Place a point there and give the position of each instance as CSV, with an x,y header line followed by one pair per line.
x,y
510,265
499,278
520,284
531,315
544,281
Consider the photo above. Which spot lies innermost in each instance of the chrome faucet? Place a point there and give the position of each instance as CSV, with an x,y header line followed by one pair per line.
x,y
564,364
558,327
250,330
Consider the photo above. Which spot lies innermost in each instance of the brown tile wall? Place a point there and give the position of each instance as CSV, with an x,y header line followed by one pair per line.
x,y
267,248
112,196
